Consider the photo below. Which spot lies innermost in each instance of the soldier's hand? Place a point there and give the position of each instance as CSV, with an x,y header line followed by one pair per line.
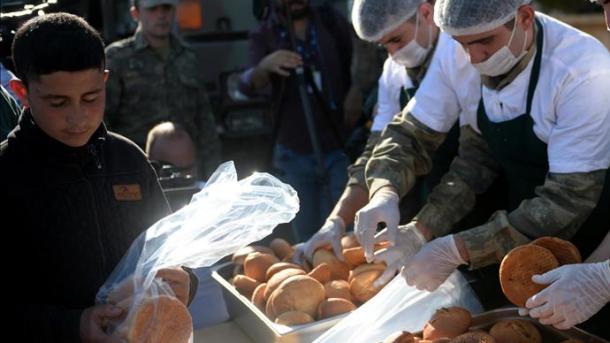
x,y
280,61
93,322
382,208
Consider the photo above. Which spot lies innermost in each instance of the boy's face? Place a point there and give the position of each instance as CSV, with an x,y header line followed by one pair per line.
x,y
68,106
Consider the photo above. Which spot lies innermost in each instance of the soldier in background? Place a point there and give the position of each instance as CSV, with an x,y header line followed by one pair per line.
x,y
155,77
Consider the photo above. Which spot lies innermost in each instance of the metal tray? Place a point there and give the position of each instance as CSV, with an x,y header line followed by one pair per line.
x,y
549,334
255,323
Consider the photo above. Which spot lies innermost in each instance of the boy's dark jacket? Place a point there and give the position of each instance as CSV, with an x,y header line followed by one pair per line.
x,y
68,216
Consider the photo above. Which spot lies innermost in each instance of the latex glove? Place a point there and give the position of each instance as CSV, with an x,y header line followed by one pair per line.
x,y
330,233
575,293
433,264
383,207
408,242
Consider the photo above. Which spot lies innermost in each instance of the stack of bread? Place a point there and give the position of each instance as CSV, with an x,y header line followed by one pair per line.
x,y
538,257
294,294
452,325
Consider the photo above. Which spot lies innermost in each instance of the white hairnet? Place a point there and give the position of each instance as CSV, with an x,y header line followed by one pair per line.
x,y
372,19
468,17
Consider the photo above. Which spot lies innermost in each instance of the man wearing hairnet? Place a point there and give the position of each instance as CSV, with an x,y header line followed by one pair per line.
x,y
406,29
606,5
541,120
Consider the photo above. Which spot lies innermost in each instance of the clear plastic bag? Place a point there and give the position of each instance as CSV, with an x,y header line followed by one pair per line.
x,y
224,216
401,307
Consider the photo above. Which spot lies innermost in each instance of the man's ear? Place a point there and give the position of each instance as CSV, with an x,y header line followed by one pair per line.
x,y
19,88
106,73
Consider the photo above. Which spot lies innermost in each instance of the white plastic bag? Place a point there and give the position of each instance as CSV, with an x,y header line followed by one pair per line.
x,y
400,307
224,216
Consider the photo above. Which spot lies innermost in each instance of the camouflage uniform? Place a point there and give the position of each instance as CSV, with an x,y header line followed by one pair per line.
x,y
144,90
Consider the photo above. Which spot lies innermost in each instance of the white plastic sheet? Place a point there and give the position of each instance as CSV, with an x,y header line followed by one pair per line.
x,y
224,216
401,307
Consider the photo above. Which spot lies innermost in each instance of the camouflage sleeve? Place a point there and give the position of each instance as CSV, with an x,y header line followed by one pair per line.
x,y
403,153
472,172
355,171
208,142
113,89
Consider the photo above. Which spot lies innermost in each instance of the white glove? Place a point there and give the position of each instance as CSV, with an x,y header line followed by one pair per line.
x,y
433,264
330,233
575,293
408,242
383,207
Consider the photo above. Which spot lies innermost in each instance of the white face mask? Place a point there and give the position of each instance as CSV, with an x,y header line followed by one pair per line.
x,y
503,60
413,55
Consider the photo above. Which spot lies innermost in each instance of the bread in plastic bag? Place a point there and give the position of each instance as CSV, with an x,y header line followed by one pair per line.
x,y
401,307
224,216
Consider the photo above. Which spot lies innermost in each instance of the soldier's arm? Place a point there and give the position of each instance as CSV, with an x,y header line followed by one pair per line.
x,y
209,146
403,153
113,88
355,171
472,172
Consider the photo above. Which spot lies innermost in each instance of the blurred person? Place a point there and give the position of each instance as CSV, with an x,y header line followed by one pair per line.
x,y
323,40
76,195
155,77
9,113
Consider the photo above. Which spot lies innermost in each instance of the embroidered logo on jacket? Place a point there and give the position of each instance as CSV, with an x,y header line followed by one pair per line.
x,y
127,192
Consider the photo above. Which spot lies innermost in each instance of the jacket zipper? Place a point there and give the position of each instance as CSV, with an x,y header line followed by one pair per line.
x,y
96,158
98,164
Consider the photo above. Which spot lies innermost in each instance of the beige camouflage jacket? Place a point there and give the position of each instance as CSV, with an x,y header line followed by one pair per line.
x,y
143,90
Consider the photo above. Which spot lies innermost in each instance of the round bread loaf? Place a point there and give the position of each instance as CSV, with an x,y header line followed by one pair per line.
x,y
291,318
245,285
401,337
517,269
447,323
349,241
240,255
365,268
334,306
473,337
564,251
281,248
256,265
361,286
298,293
278,278
354,257
338,289
322,273
338,270
258,296
515,331
278,267
160,319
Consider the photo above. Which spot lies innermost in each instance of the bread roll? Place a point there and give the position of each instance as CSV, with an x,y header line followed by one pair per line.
x,y
564,251
291,318
334,306
517,269
447,323
298,293
281,248
278,278
354,257
515,331
365,268
240,255
160,319
349,241
245,285
258,296
338,289
278,267
338,270
256,265
473,337
322,273
361,286
401,337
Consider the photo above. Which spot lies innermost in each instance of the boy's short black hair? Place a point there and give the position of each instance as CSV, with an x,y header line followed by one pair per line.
x,y
56,42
